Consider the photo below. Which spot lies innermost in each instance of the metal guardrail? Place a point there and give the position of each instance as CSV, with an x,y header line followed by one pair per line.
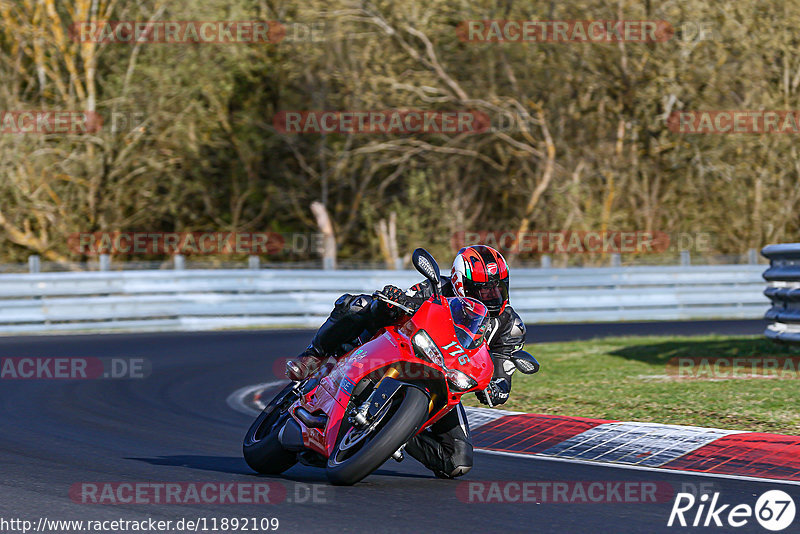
x,y
201,299
783,278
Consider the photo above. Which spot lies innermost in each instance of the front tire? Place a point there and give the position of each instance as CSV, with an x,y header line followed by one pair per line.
x,y
262,450
399,424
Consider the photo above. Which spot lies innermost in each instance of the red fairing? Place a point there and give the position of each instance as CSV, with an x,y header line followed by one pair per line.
x,y
392,348
438,322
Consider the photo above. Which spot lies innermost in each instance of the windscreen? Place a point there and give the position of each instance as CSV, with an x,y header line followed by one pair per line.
x,y
470,320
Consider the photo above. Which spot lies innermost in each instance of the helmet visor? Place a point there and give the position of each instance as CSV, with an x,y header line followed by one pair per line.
x,y
469,320
493,294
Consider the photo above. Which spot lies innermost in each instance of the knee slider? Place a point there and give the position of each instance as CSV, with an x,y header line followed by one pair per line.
x,y
360,303
460,470
349,304
343,301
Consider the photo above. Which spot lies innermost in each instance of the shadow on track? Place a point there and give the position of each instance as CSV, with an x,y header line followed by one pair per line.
x,y
220,464
237,466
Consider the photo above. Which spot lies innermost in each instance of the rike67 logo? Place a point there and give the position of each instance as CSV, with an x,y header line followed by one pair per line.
x,y
774,510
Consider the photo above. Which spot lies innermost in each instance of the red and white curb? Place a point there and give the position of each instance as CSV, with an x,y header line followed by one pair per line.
x,y
689,449
646,445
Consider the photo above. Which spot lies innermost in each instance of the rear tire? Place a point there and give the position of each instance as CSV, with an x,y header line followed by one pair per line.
x,y
262,450
400,426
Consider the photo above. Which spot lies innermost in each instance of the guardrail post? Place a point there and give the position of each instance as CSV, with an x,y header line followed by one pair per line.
x,y
34,264
686,258
105,262
547,261
752,256
253,262
616,260
179,262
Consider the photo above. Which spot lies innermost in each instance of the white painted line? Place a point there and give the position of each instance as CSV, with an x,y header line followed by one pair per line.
x,y
638,467
236,400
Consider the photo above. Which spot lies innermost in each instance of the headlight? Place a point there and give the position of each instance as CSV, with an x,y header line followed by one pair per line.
x,y
460,380
426,349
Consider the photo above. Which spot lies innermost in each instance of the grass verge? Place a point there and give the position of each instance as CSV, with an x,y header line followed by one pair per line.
x,y
629,379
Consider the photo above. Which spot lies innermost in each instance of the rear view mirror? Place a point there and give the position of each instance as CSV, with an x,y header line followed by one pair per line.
x,y
425,264
525,362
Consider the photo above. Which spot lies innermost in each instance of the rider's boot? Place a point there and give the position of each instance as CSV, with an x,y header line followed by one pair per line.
x,y
305,365
350,316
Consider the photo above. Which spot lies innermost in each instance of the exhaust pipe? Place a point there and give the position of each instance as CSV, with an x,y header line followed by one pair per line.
x,y
312,421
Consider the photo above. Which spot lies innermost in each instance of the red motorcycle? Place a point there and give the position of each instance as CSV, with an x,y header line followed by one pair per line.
x,y
353,415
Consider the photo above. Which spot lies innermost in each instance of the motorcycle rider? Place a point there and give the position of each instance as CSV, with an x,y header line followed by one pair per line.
x,y
479,272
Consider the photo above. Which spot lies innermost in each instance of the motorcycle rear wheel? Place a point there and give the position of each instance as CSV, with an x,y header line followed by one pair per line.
x,y
399,423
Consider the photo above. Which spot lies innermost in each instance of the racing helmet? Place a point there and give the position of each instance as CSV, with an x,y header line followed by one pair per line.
x,y
480,272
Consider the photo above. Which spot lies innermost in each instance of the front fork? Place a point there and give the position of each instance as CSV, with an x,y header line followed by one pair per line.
x,y
384,390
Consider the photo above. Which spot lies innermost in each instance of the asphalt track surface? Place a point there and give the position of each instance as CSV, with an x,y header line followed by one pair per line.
x,y
175,425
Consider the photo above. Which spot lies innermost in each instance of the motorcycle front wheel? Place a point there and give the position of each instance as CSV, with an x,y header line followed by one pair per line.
x,y
360,451
262,450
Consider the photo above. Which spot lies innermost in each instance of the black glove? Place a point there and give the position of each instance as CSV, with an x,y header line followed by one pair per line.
x,y
496,393
395,294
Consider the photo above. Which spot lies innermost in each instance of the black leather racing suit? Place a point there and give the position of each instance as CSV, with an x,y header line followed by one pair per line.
x,y
446,447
